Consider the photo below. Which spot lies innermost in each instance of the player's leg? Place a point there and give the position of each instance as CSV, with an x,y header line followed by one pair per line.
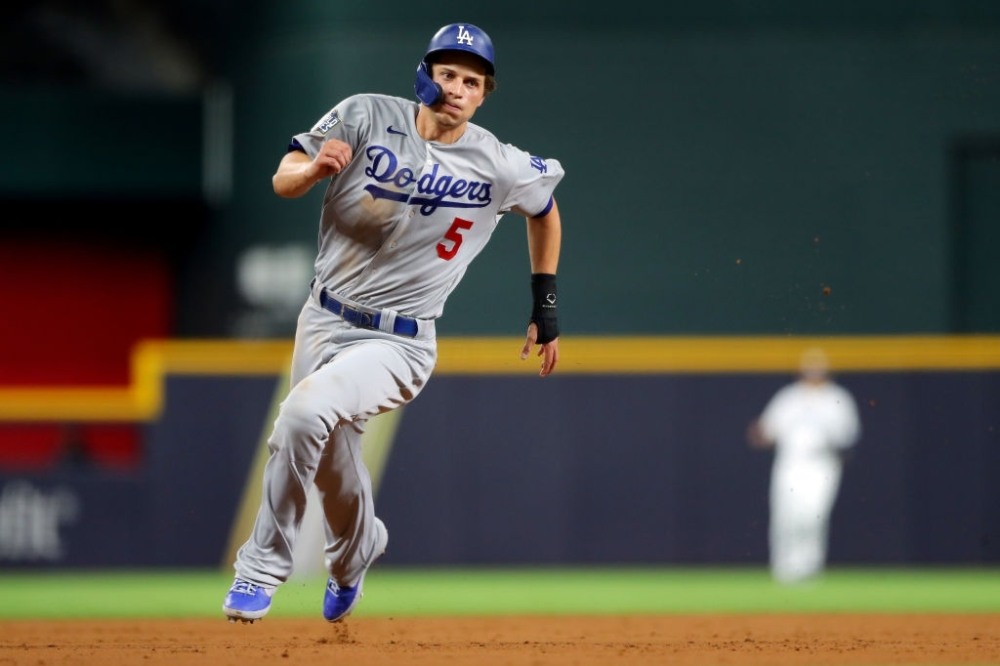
x,y
345,491
791,545
780,526
803,492
827,486
265,559
259,569
355,537
361,379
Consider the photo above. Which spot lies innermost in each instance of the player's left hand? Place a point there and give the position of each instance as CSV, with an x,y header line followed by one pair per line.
x,y
548,351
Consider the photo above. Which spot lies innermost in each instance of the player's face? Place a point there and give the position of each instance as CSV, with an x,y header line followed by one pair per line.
x,y
462,77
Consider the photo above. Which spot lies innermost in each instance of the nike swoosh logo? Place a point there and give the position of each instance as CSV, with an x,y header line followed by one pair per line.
x,y
391,130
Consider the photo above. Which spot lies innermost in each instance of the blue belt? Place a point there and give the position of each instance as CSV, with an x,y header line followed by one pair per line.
x,y
363,319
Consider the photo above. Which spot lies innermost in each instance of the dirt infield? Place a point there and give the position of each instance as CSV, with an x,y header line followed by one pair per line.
x,y
774,640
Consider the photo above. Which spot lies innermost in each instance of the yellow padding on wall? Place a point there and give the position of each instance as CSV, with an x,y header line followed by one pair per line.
x,y
142,398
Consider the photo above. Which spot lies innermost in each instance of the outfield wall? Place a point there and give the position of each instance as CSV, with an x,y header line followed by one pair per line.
x,y
633,454
655,469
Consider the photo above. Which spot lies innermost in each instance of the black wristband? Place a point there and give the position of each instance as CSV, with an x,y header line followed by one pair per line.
x,y
543,306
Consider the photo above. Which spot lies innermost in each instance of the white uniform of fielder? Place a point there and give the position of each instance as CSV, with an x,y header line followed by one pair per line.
x,y
811,423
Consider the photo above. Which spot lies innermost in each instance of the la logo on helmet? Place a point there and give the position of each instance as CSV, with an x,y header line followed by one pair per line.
x,y
464,37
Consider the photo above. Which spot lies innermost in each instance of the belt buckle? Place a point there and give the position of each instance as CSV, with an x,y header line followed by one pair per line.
x,y
358,317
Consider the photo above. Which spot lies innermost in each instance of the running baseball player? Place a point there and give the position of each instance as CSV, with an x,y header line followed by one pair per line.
x,y
811,424
414,192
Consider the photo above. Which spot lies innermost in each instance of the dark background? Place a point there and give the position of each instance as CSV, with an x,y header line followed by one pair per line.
x,y
725,161
769,168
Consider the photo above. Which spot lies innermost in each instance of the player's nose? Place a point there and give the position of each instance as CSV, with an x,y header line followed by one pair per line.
x,y
453,88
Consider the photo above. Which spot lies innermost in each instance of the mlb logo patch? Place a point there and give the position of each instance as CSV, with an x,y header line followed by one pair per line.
x,y
328,122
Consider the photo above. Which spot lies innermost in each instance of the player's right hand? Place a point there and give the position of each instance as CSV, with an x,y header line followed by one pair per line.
x,y
756,436
332,158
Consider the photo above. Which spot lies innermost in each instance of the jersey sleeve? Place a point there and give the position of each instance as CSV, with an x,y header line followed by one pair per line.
x,y
534,182
847,429
773,412
345,121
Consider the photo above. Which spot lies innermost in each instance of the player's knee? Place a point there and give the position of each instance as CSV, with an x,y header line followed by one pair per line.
x,y
299,421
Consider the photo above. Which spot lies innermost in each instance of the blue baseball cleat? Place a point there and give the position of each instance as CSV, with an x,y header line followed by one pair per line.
x,y
340,600
246,601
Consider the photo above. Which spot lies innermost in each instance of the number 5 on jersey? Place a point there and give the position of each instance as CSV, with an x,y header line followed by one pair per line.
x,y
454,234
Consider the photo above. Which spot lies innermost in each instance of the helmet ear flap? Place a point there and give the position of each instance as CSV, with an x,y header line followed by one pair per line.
x,y
428,91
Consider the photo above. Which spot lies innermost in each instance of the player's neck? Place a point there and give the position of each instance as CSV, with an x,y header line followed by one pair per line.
x,y
431,130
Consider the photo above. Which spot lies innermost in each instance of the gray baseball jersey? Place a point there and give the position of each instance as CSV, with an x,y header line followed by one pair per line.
x,y
398,229
402,222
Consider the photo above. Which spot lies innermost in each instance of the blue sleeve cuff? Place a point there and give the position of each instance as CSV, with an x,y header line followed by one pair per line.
x,y
545,211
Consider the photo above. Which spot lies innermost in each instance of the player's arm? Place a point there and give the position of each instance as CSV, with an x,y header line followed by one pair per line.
x,y
757,437
297,172
763,431
544,243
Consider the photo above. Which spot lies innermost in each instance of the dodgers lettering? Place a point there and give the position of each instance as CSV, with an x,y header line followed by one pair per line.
x,y
442,190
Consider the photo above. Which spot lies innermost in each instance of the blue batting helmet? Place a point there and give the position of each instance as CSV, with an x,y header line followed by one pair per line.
x,y
452,37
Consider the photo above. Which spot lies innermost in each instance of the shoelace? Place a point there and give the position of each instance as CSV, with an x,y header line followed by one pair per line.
x,y
245,587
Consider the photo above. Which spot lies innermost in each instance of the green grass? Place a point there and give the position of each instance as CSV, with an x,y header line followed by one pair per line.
x,y
392,591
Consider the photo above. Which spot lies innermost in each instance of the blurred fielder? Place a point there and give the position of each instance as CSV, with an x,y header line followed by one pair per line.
x,y
811,424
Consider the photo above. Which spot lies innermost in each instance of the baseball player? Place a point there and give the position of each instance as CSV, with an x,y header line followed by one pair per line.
x,y
811,424
414,191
